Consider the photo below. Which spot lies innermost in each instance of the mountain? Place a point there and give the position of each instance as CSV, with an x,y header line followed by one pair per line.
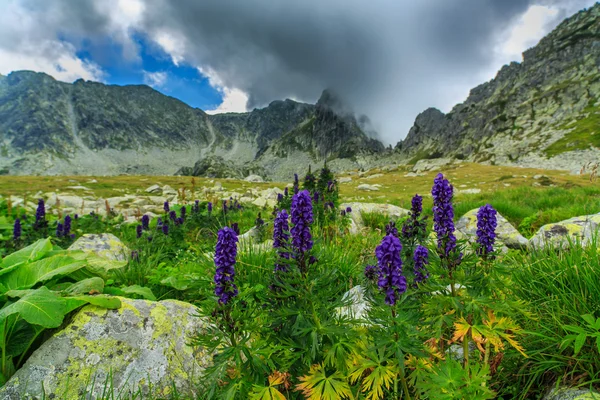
x,y
543,112
52,127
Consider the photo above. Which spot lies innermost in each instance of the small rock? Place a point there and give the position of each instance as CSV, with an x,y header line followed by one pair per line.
x,y
260,202
345,179
368,188
557,235
169,191
374,176
154,189
469,191
254,178
564,393
77,188
359,307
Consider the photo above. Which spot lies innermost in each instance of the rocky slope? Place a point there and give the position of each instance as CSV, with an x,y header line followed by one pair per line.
x,y
543,112
51,127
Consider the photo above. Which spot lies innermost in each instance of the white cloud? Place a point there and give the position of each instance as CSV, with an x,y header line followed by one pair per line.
x,y
172,44
234,100
530,28
55,58
155,79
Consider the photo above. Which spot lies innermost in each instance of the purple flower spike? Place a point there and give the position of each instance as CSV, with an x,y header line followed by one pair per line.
x,y
17,229
145,222
281,237
371,272
486,229
40,214
59,230
165,229
421,259
67,226
138,231
348,209
391,281
443,215
166,206
302,218
172,215
225,255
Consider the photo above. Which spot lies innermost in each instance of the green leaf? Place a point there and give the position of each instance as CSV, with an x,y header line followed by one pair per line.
x,y
145,292
177,282
39,307
21,337
86,286
579,342
28,275
99,266
589,319
112,303
30,253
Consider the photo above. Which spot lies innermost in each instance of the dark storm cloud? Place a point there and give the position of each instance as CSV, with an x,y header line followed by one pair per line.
x,y
389,59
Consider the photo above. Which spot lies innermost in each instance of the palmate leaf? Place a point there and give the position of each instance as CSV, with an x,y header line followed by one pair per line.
x,y
265,393
39,307
380,377
318,385
29,274
30,253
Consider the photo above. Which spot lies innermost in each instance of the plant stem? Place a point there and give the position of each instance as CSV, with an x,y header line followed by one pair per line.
x,y
466,352
404,385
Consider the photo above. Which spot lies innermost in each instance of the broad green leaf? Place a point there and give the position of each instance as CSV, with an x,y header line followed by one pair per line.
x,y
21,338
579,342
177,282
30,253
145,292
86,286
40,307
103,301
19,293
28,275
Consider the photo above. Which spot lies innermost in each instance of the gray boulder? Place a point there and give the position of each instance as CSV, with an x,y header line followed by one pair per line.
x,y
357,222
571,394
505,232
142,346
254,178
367,188
578,229
154,189
104,245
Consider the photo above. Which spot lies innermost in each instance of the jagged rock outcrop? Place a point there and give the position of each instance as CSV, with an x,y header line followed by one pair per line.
x,y
542,112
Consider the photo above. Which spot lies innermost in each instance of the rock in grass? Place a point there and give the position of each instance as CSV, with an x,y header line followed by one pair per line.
x,y
254,178
368,188
357,222
104,245
505,232
581,229
358,306
571,394
143,345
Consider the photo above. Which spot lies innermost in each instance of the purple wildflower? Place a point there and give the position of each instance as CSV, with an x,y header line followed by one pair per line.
x,y
421,259
179,221
343,213
286,192
296,184
59,230
165,229
138,231
302,218
316,197
224,206
371,272
159,222
235,228
390,229
486,229
182,213
17,229
145,222
391,280
166,206
40,214
225,254
414,226
281,236
209,207
279,197
76,217
67,226
172,215
443,215
348,209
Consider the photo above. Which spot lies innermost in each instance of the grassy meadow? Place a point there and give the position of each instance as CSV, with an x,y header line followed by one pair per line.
x,y
526,320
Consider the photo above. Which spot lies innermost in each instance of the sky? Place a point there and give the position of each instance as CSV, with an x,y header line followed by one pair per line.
x,y
387,59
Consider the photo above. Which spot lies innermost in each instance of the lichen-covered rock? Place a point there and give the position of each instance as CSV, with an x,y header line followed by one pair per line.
x,y
505,232
578,229
104,245
357,222
154,189
571,394
143,345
